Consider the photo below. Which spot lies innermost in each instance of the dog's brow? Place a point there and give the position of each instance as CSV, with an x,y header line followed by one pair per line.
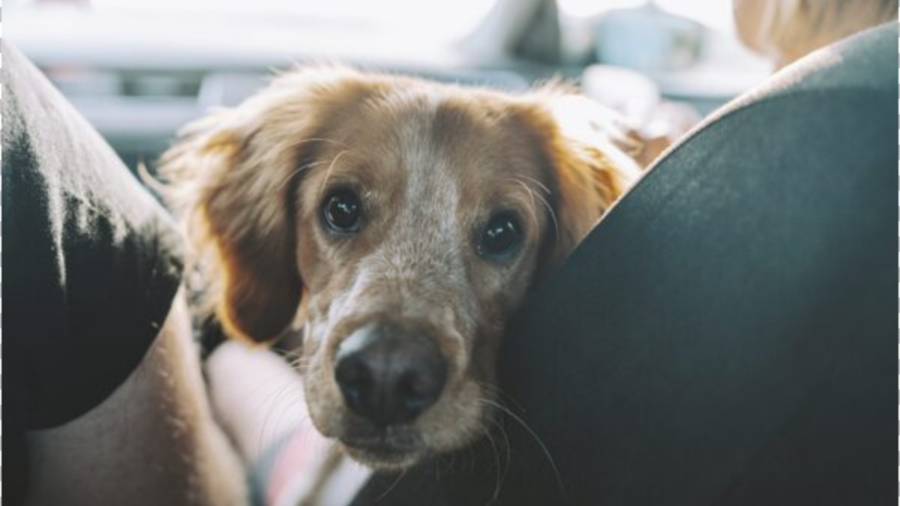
x,y
334,160
543,201
531,208
299,170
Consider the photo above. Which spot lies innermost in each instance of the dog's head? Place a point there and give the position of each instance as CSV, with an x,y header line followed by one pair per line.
x,y
400,222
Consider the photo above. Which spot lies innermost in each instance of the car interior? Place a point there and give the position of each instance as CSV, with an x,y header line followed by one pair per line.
x,y
679,74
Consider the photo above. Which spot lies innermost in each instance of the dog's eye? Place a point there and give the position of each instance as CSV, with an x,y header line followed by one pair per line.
x,y
342,211
501,237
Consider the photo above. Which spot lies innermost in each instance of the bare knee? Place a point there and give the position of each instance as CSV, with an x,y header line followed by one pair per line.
x,y
154,441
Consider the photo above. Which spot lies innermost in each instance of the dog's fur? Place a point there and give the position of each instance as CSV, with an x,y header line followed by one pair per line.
x,y
430,162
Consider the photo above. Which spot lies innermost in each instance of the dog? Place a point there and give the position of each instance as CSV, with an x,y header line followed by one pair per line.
x,y
399,222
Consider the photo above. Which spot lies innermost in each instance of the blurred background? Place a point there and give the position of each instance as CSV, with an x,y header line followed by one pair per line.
x,y
140,69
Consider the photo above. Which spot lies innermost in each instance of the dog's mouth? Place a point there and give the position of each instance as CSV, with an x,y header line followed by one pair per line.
x,y
384,451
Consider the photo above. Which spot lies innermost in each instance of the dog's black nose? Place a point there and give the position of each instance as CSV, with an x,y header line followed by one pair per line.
x,y
389,375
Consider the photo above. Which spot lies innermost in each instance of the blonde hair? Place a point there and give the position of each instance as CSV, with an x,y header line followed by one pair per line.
x,y
792,28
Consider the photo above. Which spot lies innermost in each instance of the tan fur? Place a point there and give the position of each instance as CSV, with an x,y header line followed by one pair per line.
x,y
431,162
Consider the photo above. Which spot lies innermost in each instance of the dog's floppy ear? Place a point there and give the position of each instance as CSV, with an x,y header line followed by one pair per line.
x,y
232,176
588,150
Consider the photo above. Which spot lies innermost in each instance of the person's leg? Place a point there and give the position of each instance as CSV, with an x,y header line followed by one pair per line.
x,y
726,334
105,403
153,442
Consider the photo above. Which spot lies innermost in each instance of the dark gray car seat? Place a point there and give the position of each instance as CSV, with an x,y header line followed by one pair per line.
x,y
726,335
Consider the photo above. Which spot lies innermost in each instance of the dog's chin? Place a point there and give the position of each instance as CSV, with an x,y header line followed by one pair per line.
x,y
382,455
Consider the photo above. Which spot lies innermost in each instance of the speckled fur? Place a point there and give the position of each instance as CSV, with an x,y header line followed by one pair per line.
x,y
431,163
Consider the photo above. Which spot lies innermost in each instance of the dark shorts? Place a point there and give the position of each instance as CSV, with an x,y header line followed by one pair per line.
x,y
92,263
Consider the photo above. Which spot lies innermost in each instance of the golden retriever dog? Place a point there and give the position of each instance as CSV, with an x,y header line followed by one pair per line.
x,y
399,222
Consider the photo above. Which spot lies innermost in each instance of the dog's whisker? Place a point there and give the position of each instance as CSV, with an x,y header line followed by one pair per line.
x,y
506,445
535,181
543,201
393,486
494,423
297,171
312,164
498,393
499,480
330,168
534,435
298,428
274,402
552,216
531,208
321,139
